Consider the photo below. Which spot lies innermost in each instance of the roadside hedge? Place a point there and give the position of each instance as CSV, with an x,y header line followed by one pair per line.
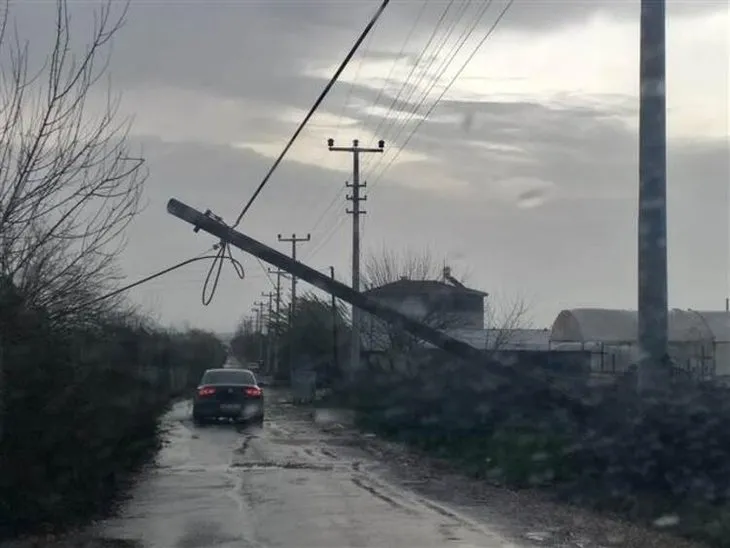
x,y
80,411
601,447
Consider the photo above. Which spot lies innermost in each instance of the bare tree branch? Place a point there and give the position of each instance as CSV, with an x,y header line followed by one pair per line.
x,y
387,267
69,185
502,322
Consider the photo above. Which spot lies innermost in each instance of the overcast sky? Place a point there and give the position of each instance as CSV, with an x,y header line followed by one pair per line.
x,y
525,177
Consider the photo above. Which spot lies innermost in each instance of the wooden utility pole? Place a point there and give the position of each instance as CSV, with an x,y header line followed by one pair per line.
x,y
356,212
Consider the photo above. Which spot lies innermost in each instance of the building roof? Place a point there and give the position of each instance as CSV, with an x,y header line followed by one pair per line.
x,y
405,286
621,326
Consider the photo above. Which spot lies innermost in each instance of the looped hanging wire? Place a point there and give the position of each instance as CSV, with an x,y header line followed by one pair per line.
x,y
216,268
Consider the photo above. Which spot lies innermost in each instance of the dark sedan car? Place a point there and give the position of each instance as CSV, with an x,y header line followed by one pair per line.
x,y
231,394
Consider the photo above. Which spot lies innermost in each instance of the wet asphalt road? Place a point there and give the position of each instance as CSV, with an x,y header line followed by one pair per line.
x,y
299,483
280,486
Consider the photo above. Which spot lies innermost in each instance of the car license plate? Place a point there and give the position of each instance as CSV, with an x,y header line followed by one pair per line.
x,y
232,407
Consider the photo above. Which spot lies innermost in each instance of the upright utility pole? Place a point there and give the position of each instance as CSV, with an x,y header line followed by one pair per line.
x,y
292,305
277,324
269,329
335,357
652,234
259,309
255,310
294,241
355,198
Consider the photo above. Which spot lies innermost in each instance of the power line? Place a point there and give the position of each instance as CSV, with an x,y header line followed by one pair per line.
x,y
333,230
441,70
468,60
237,265
415,65
399,56
314,108
394,99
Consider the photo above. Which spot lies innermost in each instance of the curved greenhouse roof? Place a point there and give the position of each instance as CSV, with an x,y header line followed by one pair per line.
x,y
621,326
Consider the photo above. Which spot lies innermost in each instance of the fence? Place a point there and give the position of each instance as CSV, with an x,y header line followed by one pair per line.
x,y
698,360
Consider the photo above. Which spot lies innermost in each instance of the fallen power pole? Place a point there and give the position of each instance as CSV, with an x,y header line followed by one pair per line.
x,y
451,345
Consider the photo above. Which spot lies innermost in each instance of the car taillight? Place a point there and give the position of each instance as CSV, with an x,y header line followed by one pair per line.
x,y
252,391
206,391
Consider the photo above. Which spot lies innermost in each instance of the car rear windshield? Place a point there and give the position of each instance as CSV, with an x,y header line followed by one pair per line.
x,y
228,377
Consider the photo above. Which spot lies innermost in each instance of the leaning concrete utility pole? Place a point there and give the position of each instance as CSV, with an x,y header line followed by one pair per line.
x,y
207,222
652,234
214,226
356,198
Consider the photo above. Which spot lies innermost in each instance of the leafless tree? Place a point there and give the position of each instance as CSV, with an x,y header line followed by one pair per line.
x,y
69,185
389,266
502,322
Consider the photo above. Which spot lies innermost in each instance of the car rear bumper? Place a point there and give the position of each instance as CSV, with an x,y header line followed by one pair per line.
x,y
234,410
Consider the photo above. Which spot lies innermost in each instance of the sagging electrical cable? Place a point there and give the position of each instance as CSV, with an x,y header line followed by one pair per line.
x,y
204,257
211,279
